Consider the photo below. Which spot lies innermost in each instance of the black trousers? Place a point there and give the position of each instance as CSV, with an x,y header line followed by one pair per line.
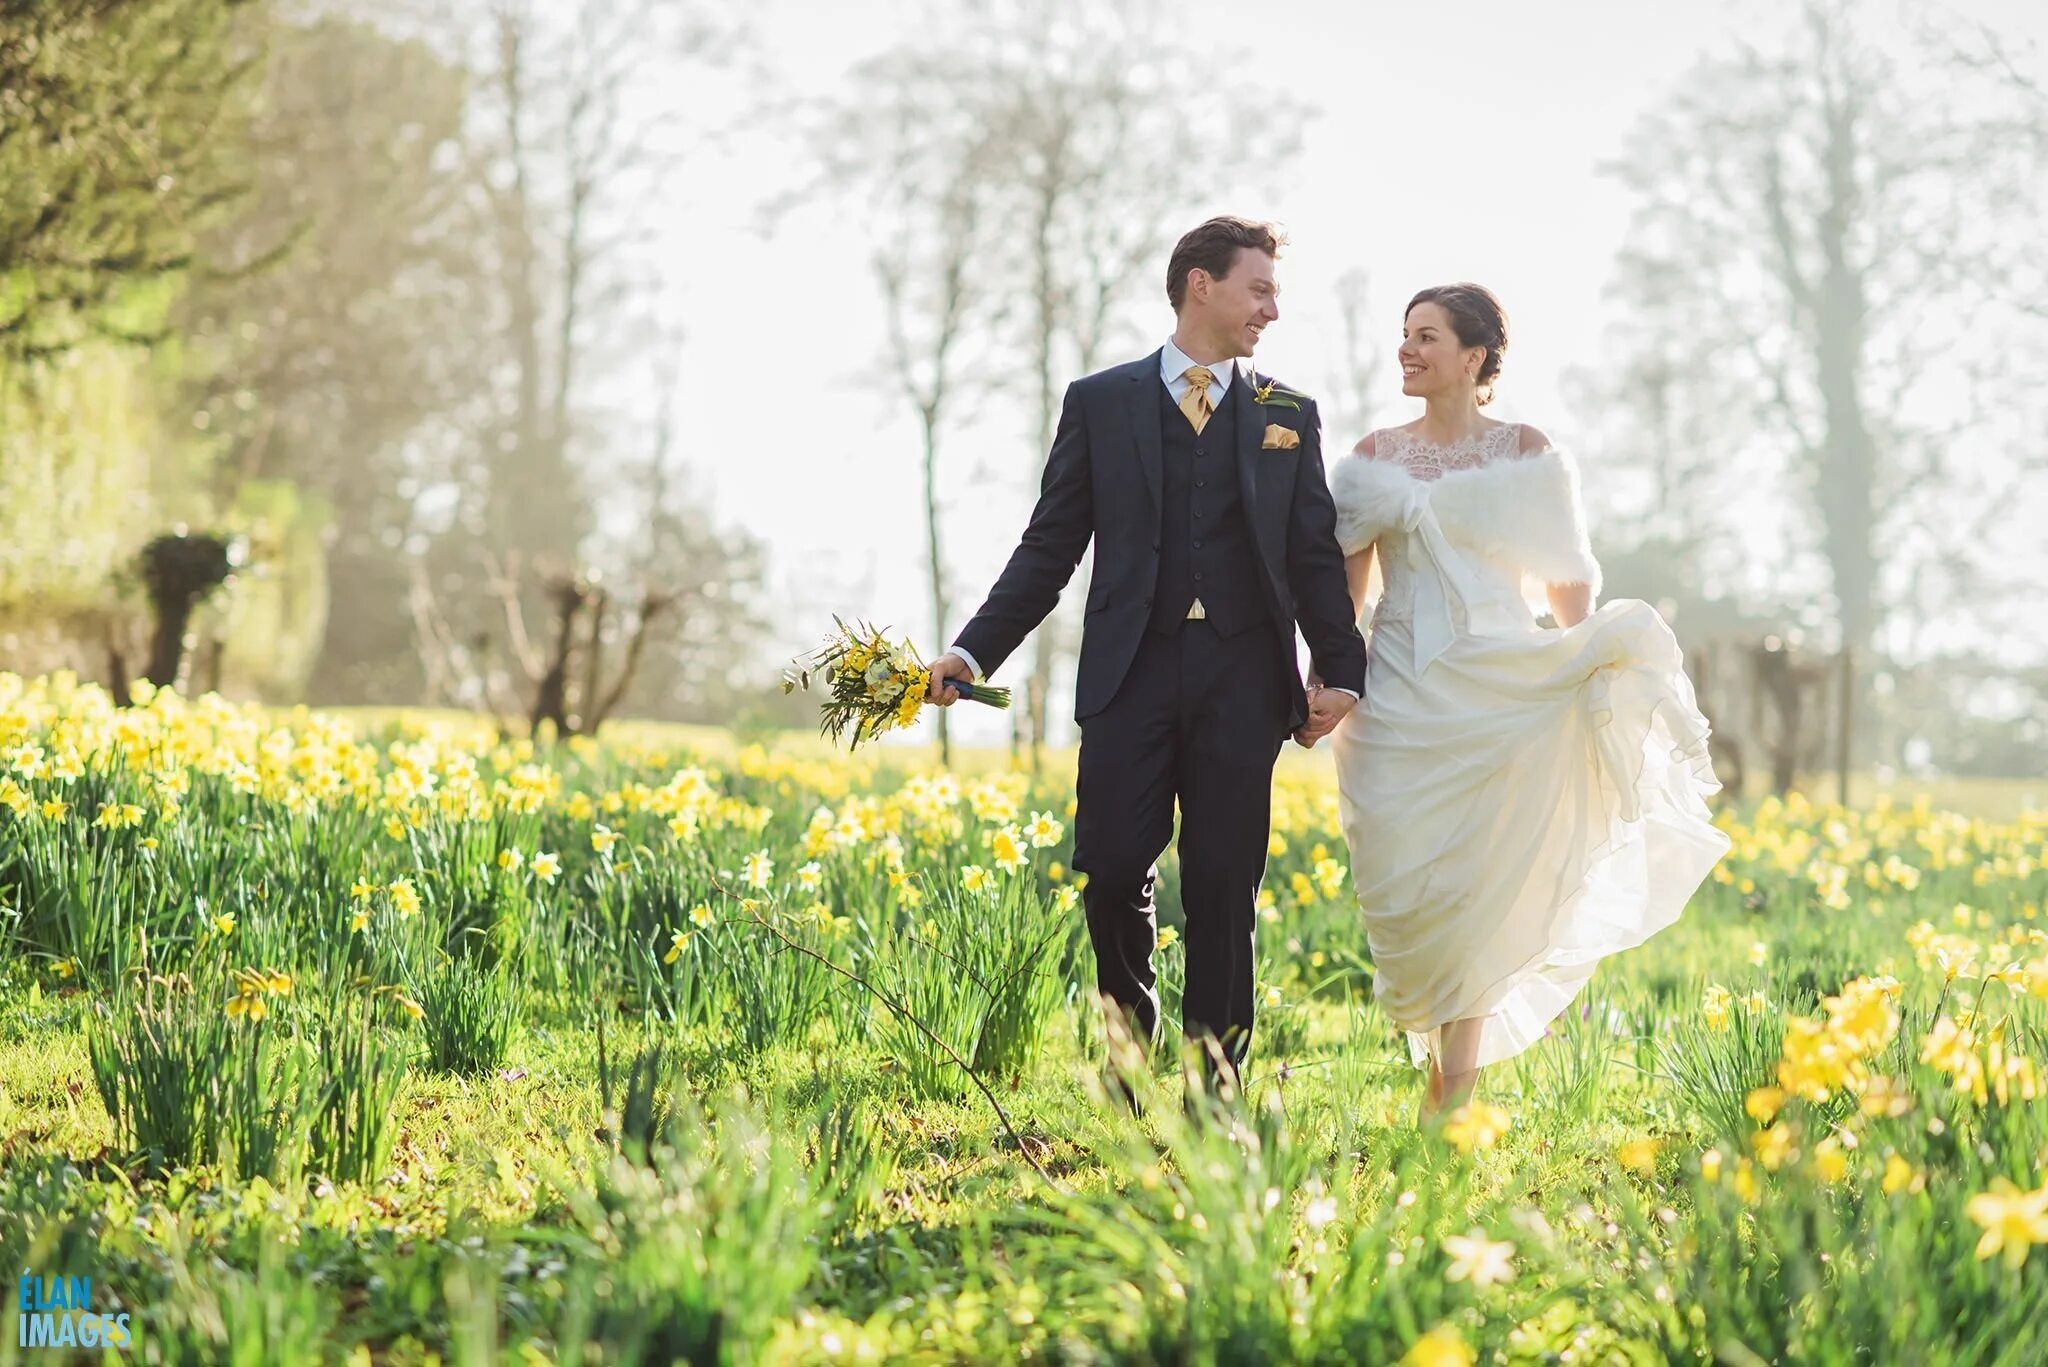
x,y
1199,720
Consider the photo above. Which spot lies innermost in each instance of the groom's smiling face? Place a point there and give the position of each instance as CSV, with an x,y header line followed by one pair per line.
x,y
1237,307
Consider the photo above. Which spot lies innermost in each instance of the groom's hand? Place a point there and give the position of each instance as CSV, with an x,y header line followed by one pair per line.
x,y
948,666
1326,707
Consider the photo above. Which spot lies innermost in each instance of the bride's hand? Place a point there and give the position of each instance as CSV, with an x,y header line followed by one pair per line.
x,y
1326,708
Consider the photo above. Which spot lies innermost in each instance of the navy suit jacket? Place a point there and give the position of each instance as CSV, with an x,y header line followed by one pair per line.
x,y
1102,482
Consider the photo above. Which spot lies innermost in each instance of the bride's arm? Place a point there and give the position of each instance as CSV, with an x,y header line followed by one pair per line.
x,y
1358,564
1357,572
1570,604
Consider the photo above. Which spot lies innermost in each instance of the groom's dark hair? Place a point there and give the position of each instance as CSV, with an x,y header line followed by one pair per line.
x,y
1213,247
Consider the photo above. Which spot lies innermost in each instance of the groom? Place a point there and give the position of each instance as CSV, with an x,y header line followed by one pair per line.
x,y
1215,535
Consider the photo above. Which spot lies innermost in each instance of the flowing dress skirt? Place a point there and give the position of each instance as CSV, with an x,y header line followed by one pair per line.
x,y
1531,804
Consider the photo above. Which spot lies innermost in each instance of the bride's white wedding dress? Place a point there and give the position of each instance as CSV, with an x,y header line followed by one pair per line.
x,y
1520,801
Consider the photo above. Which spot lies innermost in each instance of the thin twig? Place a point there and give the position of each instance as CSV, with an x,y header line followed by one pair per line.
x,y
928,1033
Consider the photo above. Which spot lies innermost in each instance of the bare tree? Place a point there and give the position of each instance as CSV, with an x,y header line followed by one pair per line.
x,y
1104,169
1363,358
917,151
576,144
580,115
1810,223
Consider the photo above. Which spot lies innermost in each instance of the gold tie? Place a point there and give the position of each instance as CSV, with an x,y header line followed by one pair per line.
x,y
1195,403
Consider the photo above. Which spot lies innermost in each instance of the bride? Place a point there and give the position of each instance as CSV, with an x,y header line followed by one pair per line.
x,y
1520,801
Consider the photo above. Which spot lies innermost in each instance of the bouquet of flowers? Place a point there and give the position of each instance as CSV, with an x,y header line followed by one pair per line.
x,y
873,684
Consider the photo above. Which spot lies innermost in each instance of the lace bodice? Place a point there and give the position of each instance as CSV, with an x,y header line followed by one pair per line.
x,y
1427,460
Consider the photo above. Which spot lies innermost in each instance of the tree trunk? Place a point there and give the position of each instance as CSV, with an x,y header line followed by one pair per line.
x,y
167,644
936,562
1844,730
593,664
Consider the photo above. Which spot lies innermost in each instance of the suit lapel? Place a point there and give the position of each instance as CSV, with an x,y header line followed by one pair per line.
x,y
1249,433
1251,460
1145,426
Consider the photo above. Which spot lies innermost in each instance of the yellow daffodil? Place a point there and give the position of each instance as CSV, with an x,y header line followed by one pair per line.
x,y
1640,1156
1440,1347
1476,1125
2013,1220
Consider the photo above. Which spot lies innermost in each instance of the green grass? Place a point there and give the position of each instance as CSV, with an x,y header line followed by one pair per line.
x,y
819,1117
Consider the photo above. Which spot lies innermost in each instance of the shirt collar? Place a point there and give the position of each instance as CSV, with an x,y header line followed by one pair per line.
x,y
1174,363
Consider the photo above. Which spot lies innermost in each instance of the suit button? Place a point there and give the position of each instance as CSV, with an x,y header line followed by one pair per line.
x,y
1201,450
1198,576
1155,545
1198,512
1148,602
1198,546
1201,484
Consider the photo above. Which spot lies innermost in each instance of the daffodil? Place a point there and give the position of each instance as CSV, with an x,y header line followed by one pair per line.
x,y
2013,1220
1044,831
1476,1125
1440,1347
1482,1261
1007,847
1639,1155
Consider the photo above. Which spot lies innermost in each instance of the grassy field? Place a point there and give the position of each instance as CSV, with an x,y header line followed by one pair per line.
x,y
372,1040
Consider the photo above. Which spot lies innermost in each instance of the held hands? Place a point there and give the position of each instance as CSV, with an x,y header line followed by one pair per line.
x,y
948,666
1326,707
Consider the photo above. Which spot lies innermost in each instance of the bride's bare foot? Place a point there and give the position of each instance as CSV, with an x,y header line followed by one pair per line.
x,y
1432,1098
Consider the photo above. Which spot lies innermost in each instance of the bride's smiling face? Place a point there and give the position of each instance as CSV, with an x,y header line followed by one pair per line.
x,y
1432,361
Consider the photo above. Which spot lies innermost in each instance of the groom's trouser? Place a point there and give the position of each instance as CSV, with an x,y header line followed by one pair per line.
x,y
1200,718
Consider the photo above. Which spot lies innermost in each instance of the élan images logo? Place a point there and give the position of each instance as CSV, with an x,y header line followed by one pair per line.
x,y
57,1312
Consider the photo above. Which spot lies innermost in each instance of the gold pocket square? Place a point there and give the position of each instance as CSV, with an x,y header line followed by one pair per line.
x,y
1280,438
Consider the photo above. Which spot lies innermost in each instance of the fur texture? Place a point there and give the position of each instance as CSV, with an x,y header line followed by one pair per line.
x,y
1523,512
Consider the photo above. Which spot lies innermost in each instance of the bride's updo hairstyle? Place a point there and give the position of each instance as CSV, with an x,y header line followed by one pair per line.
x,y
1478,319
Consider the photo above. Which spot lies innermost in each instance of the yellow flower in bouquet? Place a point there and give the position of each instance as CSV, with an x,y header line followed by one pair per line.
x,y
873,684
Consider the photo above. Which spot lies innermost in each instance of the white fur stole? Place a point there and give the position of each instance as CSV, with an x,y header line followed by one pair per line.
x,y
1523,512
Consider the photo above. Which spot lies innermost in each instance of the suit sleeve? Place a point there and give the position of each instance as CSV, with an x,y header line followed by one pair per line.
x,y
1315,568
1054,540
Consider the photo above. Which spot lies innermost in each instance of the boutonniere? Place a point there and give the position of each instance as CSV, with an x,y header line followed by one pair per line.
x,y
1271,395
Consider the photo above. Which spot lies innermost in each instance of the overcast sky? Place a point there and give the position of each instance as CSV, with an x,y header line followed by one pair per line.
x,y
1451,142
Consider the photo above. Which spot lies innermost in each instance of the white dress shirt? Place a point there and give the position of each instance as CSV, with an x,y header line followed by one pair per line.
x,y
1173,368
